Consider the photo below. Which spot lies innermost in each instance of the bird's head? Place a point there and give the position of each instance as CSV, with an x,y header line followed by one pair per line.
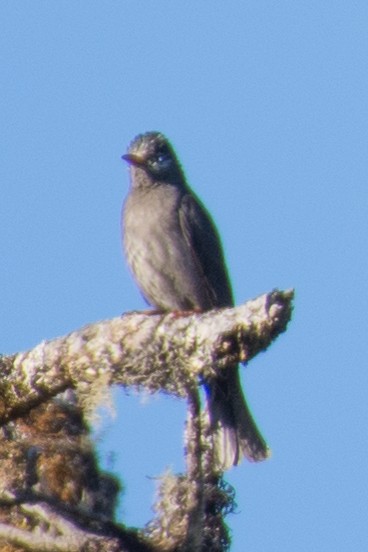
x,y
153,153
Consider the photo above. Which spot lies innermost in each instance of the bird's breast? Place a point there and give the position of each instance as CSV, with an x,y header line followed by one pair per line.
x,y
156,249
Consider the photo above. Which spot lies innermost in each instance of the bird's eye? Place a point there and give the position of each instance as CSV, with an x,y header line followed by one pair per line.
x,y
162,158
161,161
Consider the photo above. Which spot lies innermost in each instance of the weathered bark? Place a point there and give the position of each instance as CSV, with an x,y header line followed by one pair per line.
x,y
158,352
52,494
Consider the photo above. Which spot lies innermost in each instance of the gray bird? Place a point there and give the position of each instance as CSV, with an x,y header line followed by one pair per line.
x,y
174,251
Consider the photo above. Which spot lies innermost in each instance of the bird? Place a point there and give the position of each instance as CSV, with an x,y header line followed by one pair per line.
x,y
175,254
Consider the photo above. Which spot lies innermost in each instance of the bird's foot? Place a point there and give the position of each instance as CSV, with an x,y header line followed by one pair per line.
x,y
183,313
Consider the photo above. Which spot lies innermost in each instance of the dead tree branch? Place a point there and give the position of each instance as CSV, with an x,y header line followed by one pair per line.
x,y
53,495
158,352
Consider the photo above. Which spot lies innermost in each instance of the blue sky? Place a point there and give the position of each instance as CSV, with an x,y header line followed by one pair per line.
x,y
266,105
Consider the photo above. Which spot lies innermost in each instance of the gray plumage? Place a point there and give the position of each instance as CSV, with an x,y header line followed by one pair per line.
x,y
174,251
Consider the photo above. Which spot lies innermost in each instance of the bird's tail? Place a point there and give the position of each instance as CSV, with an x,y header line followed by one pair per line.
x,y
235,433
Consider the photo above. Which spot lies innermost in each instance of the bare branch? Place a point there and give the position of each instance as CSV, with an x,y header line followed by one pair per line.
x,y
158,352
54,533
54,497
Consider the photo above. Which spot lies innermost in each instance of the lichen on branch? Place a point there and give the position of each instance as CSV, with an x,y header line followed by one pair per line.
x,y
158,352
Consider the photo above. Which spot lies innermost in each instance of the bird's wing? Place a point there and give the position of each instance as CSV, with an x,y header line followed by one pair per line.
x,y
203,240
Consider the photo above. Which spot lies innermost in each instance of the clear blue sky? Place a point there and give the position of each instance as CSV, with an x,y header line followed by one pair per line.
x,y
266,104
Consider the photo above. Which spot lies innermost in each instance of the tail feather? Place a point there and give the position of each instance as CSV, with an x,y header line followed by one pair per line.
x,y
236,434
